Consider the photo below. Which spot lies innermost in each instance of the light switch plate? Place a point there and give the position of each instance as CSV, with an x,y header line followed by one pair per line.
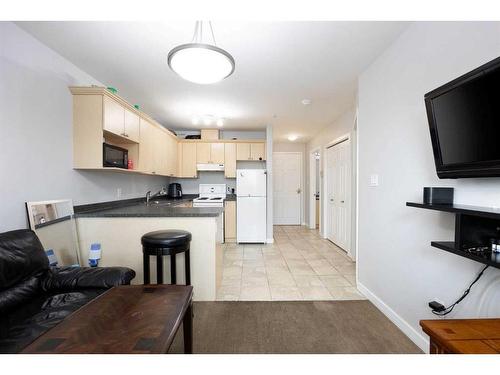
x,y
373,180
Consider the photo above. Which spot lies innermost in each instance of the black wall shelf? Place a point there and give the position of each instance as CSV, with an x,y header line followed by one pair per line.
x,y
474,227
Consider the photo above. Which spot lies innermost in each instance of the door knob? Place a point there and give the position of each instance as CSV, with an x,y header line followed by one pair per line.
x,y
341,201
299,191
331,199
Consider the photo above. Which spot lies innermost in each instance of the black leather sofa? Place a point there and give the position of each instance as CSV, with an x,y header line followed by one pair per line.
x,y
35,297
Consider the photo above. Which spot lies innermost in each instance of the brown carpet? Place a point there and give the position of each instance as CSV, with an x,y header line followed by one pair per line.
x,y
294,327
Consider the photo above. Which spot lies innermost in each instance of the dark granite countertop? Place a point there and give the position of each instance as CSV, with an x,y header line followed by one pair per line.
x,y
158,207
231,197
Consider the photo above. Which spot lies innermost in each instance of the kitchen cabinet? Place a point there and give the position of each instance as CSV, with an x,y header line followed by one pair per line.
x,y
171,156
132,125
243,151
146,146
230,160
210,134
156,151
203,153
251,151
217,153
114,117
160,155
101,116
230,221
187,160
210,153
257,151
120,121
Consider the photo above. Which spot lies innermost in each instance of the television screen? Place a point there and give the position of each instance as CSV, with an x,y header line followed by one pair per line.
x,y
464,121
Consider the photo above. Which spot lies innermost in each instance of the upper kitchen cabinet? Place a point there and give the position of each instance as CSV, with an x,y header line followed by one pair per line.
x,y
186,160
172,156
157,150
210,153
217,153
243,151
146,160
251,151
101,116
258,151
119,121
132,126
230,160
203,153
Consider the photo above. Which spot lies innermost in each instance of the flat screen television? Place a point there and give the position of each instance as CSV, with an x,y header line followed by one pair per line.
x,y
464,122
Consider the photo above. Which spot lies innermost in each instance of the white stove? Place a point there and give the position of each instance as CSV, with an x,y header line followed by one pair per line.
x,y
211,195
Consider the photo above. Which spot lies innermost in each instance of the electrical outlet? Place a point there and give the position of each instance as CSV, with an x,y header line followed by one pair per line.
x,y
119,193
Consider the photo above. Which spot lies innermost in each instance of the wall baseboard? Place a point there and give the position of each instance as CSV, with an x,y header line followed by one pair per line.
x,y
402,324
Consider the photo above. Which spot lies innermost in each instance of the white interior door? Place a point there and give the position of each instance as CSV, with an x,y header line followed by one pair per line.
x,y
287,169
338,168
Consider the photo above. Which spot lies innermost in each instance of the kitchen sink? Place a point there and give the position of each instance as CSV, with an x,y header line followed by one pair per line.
x,y
159,203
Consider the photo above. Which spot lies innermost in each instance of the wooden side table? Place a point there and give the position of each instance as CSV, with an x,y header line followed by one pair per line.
x,y
463,336
126,319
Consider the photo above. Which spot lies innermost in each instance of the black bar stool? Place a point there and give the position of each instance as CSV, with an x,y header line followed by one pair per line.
x,y
166,242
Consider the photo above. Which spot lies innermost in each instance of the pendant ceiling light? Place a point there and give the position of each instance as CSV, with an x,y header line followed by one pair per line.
x,y
200,62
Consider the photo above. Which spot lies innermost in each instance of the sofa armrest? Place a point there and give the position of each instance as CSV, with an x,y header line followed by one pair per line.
x,y
72,278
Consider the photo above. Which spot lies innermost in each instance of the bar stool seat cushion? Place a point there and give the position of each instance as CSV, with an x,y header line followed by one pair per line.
x,y
166,238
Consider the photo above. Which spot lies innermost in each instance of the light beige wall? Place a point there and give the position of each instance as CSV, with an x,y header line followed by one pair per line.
x,y
120,239
343,125
297,147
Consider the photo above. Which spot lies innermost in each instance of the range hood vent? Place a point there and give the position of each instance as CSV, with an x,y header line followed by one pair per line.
x,y
209,167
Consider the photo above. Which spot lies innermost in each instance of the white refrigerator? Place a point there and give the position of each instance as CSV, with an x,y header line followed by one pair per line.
x,y
251,205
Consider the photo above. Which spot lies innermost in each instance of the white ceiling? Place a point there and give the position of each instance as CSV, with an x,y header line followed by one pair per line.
x,y
277,65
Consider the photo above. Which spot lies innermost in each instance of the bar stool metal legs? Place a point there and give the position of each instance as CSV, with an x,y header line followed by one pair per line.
x,y
187,264
159,269
145,263
173,271
166,243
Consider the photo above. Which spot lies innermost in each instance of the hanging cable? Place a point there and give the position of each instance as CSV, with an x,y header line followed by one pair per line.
x,y
212,30
450,308
195,34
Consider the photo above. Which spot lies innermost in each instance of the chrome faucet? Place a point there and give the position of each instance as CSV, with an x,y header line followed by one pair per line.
x,y
162,192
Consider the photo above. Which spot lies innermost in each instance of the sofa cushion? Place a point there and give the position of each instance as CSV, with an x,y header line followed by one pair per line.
x,y
23,325
72,278
21,257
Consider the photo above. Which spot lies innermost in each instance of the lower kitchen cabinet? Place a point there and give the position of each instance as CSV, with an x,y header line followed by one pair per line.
x,y
230,221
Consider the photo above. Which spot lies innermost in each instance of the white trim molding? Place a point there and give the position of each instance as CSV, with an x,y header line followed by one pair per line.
x,y
311,199
403,325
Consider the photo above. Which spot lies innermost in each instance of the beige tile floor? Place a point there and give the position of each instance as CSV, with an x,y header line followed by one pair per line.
x,y
299,265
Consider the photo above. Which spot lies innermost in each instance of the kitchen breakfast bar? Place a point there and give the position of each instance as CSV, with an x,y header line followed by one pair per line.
x,y
119,226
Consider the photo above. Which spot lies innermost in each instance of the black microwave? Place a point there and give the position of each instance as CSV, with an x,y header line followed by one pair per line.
x,y
114,156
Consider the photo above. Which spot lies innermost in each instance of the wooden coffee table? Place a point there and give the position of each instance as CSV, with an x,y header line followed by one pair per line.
x,y
125,319
463,336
